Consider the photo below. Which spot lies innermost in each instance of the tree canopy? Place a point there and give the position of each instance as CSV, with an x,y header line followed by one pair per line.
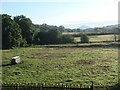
x,y
20,31
11,32
26,27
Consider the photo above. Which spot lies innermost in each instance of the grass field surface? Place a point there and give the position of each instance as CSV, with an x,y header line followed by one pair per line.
x,y
62,65
99,38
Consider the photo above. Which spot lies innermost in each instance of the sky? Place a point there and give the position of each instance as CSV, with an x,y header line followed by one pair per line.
x,y
69,13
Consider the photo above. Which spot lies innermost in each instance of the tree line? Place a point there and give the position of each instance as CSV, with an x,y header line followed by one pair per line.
x,y
19,31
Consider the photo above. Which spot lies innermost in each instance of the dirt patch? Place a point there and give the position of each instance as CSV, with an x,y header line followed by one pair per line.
x,y
102,59
38,56
47,56
85,62
103,68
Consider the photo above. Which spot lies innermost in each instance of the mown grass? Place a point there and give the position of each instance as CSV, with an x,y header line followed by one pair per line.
x,y
62,65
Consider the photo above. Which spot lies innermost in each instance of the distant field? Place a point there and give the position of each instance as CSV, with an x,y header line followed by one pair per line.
x,y
71,32
102,38
95,38
99,38
62,65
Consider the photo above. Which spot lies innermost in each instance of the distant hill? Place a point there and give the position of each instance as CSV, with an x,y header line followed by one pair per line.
x,y
104,29
45,27
83,28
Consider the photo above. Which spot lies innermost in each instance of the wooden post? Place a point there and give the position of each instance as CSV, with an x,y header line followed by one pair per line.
x,y
42,86
92,86
66,87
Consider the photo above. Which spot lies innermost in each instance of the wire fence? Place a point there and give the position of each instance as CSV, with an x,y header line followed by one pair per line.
x,y
34,86
38,86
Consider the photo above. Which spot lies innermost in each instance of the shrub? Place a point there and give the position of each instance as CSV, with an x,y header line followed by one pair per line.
x,y
84,38
67,39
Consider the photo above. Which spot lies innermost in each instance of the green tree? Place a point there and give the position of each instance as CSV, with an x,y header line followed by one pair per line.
x,y
54,36
67,39
84,38
11,32
115,34
41,38
61,28
26,27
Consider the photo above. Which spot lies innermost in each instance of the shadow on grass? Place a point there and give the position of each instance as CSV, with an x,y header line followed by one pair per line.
x,y
116,45
115,87
5,65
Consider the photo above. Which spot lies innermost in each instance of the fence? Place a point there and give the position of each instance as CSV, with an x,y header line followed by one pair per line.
x,y
33,86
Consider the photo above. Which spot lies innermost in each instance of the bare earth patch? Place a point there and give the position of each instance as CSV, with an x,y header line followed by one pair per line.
x,y
85,62
104,68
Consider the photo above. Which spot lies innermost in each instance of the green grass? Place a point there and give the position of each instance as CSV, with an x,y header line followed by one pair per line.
x,y
102,38
62,65
99,38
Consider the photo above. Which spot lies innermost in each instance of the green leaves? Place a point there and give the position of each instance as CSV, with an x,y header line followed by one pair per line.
x,y
11,32
84,38
16,32
26,27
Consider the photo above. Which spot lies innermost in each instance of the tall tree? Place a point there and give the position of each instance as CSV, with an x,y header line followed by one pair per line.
x,y
54,36
61,28
26,27
11,32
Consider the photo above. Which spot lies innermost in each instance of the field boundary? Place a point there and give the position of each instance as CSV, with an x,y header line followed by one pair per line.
x,y
90,45
35,86
38,86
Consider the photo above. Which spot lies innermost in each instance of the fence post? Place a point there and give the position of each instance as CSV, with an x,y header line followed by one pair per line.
x,y
42,86
66,87
63,86
16,86
80,86
38,86
92,86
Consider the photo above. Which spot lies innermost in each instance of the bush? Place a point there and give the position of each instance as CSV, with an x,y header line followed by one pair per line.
x,y
84,38
52,37
67,39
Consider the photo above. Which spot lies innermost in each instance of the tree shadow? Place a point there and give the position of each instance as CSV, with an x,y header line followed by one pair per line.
x,y
114,87
84,46
5,65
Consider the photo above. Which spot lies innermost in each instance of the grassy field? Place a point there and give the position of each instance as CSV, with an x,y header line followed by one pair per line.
x,y
62,65
99,38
